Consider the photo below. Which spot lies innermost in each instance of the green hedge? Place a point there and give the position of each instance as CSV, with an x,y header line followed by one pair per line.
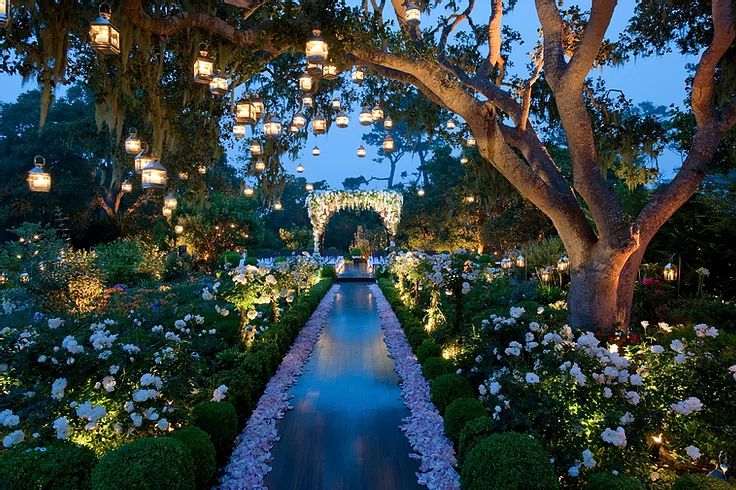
x,y
447,388
609,481
701,482
473,432
220,421
201,452
434,367
62,466
411,323
146,464
459,413
428,349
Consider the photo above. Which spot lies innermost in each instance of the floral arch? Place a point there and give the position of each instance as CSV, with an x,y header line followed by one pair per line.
x,y
321,206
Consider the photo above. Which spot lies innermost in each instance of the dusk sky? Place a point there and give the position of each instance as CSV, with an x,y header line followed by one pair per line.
x,y
660,80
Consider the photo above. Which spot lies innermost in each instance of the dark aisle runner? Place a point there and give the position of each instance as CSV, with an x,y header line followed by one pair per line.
x,y
344,430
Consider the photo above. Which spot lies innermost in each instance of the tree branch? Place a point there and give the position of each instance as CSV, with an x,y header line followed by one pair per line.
x,y
447,30
585,55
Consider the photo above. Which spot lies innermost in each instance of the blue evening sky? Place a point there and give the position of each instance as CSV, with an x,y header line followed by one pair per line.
x,y
660,80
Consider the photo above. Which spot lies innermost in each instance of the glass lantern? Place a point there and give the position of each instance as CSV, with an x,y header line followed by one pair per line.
x,y
307,100
142,159
316,49
179,229
167,212
204,66
470,141
336,104
376,113
388,144
342,120
153,176
670,272
450,124
202,169
239,130
413,14
219,84
132,142
104,37
388,123
309,187
299,120
314,69
358,75
520,261
365,117
183,176
300,168
24,277
258,105
563,264
277,206
4,15
38,179
546,275
260,165
319,124
245,110
249,191
305,82
420,192
315,151
329,71
272,126
470,199
255,148
126,186
170,201
506,263
293,128
361,152
463,159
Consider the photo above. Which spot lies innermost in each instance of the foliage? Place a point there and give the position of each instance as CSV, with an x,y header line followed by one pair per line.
x,y
459,413
220,421
327,271
472,433
508,461
59,466
428,349
129,261
700,482
447,388
611,481
433,367
201,453
150,462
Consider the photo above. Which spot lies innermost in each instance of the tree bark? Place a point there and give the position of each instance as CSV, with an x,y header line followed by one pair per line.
x,y
593,297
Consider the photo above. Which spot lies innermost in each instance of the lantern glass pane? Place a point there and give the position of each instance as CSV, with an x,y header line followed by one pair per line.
x,y
413,15
203,70
39,181
132,144
245,112
141,161
316,48
239,130
219,85
153,176
104,37
329,72
299,120
305,83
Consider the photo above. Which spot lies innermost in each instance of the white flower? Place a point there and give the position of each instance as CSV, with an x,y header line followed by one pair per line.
x,y
626,418
588,460
686,407
144,395
693,452
632,397
732,369
516,312
70,343
531,378
574,471
137,419
657,349
206,295
8,419
108,382
149,379
55,323
219,393
57,388
494,387
271,280
636,380
514,349
578,374
129,406
677,345
680,358
703,330
616,437
162,424
482,390
13,439
92,413
180,324
61,426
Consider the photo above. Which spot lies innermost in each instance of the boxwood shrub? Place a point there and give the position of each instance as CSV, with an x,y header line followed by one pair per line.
x,y
201,451
220,421
459,413
447,388
428,349
434,367
473,432
62,466
701,482
610,481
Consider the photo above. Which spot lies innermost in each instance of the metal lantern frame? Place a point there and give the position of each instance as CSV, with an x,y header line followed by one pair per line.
x,y
219,85
670,272
204,66
309,187
315,151
239,130
358,75
255,148
471,141
342,120
306,84
104,37
299,120
376,113
563,264
133,143
336,104
126,186
38,179
450,124
170,201
330,71
520,261
143,158
316,49
388,123
259,165
413,14
202,169
299,168
307,100
365,118
319,124
272,126
388,144
154,176
258,105
245,110
361,151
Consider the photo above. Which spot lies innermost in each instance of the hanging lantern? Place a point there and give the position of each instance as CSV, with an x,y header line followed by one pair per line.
x,y
546,275
293,128
258,105
307,100
219,84
3,278
204,67
202,169
132,142
388,144
249,191
463,159
239,130
342,120
329,71
309,187
5,11
305,82
170,201
300,168
245,110
506,263
336,104
103,36
470,199
470,141
670,272
25,277
260,165
360,152
376,113
255,148
315,151
358,75
183,176
450,124
142,159
178,229
520,261
272,126
413,14
126,186
364,117
420,192
299,120
388,123
319,124
316,49
315,69
563,263
38,179
277,206
167,212
153,176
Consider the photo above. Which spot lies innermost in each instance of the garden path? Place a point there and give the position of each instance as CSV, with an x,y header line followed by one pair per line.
x,y
343,432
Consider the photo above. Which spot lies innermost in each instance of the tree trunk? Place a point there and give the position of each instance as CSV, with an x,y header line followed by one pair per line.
x,y
592,301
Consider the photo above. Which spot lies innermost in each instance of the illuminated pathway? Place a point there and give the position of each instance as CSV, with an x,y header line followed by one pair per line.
x,y
344,430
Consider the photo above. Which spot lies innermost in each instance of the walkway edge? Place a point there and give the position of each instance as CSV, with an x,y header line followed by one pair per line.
x,y
424,426
249,463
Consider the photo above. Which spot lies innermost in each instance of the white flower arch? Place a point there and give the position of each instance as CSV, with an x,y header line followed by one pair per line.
x,y
321,206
